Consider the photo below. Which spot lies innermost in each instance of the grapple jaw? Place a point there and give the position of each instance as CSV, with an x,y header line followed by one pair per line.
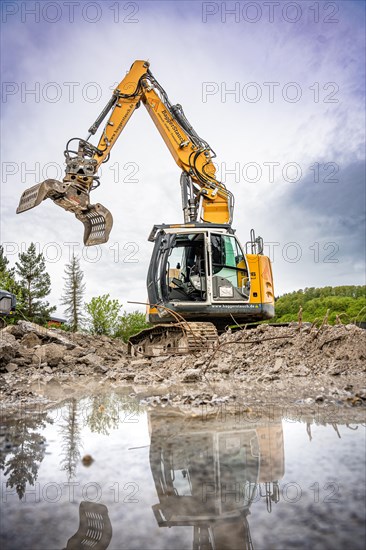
x,y
72,197
35,195
97,222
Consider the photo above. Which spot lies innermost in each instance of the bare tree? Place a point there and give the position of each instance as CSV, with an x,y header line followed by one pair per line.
x,y
73,293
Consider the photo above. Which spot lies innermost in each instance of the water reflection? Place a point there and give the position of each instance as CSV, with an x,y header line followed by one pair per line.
x,y
71,438
207,475
22,450
95,529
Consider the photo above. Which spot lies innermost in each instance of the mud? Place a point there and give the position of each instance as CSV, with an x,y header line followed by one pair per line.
x,y
280,365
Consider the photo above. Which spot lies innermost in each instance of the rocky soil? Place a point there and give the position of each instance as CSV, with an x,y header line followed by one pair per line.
x,y
280,365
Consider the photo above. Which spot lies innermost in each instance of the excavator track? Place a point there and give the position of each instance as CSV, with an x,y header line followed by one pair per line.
x,y
173,339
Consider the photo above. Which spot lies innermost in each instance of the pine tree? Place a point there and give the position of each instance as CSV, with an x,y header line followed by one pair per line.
x,y
73,293
35,284
3,260
7,276
8,282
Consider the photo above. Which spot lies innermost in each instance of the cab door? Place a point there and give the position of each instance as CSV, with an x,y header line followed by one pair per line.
x,y
230,275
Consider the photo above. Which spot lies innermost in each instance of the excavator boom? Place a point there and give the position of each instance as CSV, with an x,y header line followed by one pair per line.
x,y
204,198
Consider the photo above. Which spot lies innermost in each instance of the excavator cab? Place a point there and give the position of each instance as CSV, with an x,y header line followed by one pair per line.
x,y
201,270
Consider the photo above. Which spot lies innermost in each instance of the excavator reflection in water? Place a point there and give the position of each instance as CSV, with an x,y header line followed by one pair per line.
x,y
207,474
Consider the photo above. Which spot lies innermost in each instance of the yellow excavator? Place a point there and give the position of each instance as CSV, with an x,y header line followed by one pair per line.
x,y
200,278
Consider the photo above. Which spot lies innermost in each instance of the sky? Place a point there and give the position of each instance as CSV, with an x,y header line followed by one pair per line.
x,y
276,88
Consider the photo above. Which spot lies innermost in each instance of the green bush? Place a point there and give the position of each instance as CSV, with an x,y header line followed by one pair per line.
x,y
103,315
130,324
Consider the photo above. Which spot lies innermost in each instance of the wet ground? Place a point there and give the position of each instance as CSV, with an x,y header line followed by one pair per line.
x,y
111,470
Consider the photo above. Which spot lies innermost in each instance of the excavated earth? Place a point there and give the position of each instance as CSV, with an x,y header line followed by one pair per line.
x,y
285,366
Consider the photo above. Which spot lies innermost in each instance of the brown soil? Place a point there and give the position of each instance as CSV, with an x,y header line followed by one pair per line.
x,y
279,365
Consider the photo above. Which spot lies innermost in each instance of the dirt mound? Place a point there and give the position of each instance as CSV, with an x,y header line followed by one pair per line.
x,y
303,362
29,345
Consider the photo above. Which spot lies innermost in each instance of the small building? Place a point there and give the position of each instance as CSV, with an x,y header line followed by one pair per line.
x,y
55,322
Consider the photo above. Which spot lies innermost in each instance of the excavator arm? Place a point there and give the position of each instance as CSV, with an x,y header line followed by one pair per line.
x,y
204,198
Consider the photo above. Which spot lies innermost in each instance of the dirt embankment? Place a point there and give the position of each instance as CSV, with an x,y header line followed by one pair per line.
x,y
260,365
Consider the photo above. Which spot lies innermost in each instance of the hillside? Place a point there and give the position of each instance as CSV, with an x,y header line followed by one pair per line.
x,y
348,302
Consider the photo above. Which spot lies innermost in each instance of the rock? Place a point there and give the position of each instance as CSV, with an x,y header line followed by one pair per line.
x,y
100,369
78,351
80,369
7,352
262,328
13,330
30,340
319,398
92,359
53,382
161,359
337,368
268,377
342,356
279,364
67,359
302,370
87,460
51,335
142,378
224,368
11,367
362,394
23,360
51,353
47,369
140,363
7,336
127,376
191,375
121,364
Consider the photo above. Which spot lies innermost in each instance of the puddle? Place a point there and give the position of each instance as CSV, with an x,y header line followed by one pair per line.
x,y
105,472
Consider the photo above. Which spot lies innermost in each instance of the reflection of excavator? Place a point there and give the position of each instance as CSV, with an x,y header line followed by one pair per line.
x,y
207,474
199,270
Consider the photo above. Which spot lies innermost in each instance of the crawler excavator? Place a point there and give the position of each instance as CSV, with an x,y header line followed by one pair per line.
x,y
200,278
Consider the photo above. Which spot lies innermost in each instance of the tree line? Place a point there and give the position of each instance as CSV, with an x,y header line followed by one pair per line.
x,y
31,284
340,303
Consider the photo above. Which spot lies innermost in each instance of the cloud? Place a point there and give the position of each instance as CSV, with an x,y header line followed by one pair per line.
x,y
79,62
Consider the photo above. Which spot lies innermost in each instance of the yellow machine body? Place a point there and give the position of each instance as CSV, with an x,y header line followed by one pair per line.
x,y
220,281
